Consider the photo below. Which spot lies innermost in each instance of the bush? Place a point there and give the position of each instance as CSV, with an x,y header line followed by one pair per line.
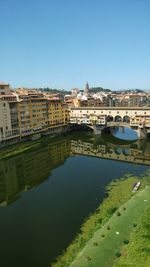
x,y
102,235
118,213
108,228
124,208
135,225
95,244
111,210
118,254
126,241
88,258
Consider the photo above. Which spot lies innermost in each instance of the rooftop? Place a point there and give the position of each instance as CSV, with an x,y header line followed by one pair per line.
x,y
3,83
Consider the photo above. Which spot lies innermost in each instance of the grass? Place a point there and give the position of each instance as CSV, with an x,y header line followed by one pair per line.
x,y
110,242
118,192
137,252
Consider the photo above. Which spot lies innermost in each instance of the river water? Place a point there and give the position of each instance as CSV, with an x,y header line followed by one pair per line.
x,y
47,193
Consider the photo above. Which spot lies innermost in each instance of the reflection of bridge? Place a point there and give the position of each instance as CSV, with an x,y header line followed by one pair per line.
x,y
27,170
99,118
114,152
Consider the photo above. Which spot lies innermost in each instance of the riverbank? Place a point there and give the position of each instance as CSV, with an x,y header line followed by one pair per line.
x,y
137,252
25,146
118,193
54,131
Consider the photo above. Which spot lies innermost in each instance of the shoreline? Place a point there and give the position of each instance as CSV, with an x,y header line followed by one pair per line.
x,y
118,193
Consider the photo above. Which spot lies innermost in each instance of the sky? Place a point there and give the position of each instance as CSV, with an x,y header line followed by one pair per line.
x,y
65,43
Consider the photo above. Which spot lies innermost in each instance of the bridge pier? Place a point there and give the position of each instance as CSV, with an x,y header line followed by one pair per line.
x,y
142,133
97,129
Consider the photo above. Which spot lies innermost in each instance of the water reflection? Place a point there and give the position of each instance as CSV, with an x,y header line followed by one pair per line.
x,y
124,133
138,152
22,172
30,169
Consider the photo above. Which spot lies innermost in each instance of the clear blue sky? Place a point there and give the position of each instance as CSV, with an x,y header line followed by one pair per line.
x,y
64,43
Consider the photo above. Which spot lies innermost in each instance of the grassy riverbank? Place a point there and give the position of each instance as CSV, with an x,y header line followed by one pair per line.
x,y
119,192
137,252
105,245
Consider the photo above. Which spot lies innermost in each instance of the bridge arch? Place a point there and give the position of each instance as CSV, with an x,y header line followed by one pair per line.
x,y
126,151
126,118
109,118
118,118
118,150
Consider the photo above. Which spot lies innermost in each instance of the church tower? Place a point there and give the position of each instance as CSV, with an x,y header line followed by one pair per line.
x,y
87,89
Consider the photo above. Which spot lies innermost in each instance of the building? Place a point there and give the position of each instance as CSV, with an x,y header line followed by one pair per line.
x,y
58,113
4,88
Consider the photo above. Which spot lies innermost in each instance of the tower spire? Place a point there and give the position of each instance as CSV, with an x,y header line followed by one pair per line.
x,y
87,88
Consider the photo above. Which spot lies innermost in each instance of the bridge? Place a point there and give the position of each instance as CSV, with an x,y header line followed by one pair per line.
x,y
112,152
98,118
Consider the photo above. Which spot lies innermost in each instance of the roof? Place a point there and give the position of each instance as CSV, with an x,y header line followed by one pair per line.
x,y
3,83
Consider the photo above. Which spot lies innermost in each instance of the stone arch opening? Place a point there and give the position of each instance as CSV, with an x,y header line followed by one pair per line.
x,y
126,151
126,119
118,150
118,118
110,118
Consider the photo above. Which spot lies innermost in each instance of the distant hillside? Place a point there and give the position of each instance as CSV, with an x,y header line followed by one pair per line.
x,y
99,89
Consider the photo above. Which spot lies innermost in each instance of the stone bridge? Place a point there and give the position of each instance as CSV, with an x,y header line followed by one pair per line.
x,y
98,118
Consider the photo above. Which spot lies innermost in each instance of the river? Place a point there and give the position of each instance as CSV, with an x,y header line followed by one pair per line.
x,y
48,192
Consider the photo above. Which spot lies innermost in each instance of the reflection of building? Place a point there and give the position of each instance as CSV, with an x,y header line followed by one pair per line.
x,y
22,172
114,152
30,169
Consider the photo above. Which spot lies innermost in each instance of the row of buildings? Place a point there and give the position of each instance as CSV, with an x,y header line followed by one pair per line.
x,y
27,112
87,98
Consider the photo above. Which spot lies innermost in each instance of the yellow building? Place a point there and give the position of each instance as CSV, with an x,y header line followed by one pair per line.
x,y
58,114
32,114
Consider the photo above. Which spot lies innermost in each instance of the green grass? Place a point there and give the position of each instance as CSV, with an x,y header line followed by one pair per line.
x,y
137,252
118,192
108,241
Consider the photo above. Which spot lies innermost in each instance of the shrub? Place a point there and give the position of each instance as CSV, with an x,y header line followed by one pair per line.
x,y
88,258
118,213
95,244
108,228
112,210
118,254
135,225
124,208
126,241
102,235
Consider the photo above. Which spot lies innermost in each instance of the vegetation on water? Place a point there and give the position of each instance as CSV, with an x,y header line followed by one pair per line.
x,y
118,192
